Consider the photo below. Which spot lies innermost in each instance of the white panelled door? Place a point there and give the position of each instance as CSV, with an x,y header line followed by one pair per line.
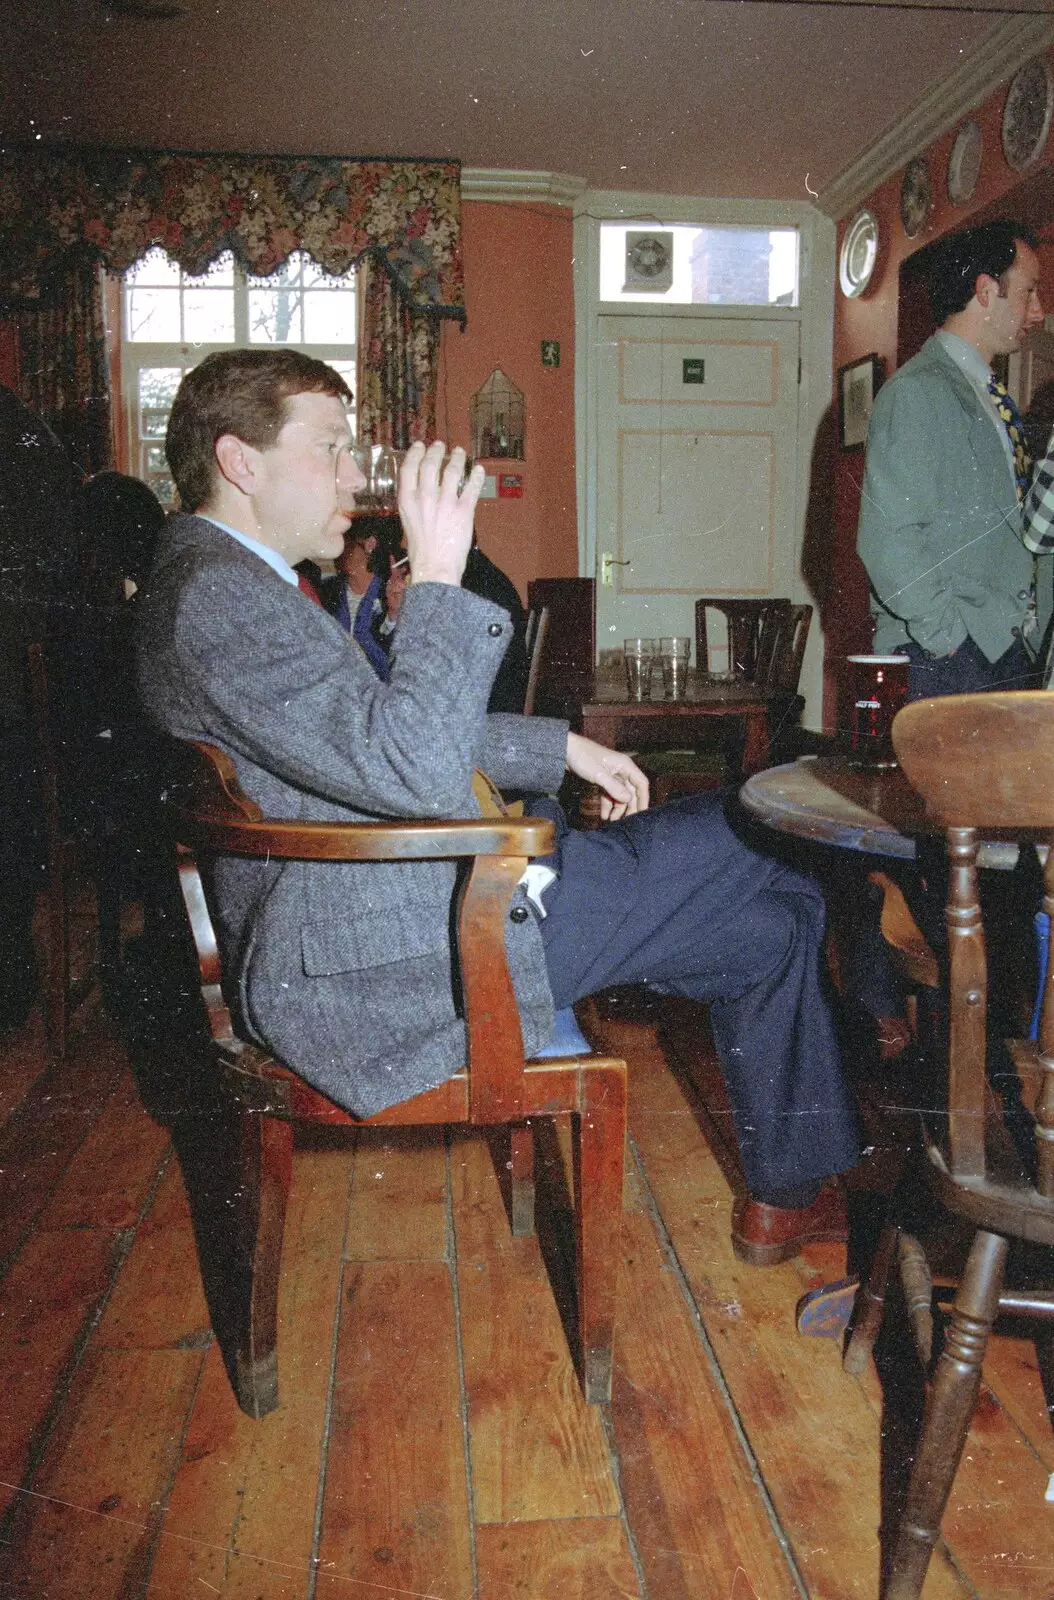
x,y
696,461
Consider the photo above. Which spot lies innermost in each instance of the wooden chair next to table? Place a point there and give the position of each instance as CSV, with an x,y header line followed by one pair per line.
x,y
748,621
766,646
570,649
210,815
982,764
537,634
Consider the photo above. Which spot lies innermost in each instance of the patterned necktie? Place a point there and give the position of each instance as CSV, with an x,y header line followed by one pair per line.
x,y
1006,408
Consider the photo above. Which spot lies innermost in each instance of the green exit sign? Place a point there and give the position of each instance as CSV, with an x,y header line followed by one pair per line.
x,y
693,370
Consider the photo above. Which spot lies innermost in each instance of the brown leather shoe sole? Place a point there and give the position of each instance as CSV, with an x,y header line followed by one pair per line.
x,y
763,1236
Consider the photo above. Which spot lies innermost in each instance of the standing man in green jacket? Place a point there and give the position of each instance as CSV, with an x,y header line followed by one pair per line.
x,y
941,531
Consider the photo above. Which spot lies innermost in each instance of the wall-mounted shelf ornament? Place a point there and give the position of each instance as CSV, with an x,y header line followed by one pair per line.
x,y
1026,115
964,162
916,196
496,420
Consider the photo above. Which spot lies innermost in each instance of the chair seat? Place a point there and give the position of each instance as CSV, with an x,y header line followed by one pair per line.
x,y
567,1040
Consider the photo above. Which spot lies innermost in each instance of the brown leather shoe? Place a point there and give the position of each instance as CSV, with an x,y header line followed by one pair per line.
x,y
764,1235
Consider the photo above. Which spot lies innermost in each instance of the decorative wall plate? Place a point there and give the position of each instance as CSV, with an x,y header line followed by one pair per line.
x,y
1026,115
916,196
964,162
859,251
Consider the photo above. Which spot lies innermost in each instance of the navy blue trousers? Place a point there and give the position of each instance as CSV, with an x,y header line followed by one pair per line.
x,y
675,899
967,671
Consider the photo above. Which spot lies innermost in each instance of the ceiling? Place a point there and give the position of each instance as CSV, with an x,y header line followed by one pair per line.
x,y
750,98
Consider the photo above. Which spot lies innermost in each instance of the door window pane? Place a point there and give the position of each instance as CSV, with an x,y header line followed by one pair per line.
x,y
731,266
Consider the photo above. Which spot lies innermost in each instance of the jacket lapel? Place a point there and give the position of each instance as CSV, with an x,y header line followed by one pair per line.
x,y
981,436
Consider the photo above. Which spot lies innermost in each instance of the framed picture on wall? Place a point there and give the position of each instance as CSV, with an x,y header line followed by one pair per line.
x,y
858,383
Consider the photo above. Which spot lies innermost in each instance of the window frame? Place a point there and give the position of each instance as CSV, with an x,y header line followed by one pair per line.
x,y
132,356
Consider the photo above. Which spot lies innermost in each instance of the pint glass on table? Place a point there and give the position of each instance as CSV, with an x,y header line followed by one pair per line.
x,y
880,688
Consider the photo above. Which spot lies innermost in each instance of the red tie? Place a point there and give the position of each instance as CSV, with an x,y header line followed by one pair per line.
x,y
308,588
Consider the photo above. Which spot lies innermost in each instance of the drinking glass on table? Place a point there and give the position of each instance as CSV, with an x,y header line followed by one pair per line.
x,y
640,658
880,688
674,656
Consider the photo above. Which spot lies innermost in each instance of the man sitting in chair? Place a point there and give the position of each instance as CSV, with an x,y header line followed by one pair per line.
x,y
344,971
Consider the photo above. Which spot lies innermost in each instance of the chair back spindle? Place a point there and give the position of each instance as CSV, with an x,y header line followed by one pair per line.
x,y
537,635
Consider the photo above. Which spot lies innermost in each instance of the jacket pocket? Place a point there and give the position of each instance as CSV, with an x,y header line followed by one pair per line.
x,y
375,939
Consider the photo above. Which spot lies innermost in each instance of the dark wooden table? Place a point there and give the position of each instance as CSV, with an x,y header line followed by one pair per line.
x,y
599,706
826,799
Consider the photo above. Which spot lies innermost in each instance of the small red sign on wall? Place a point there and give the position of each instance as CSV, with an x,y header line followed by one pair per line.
x,y
510,486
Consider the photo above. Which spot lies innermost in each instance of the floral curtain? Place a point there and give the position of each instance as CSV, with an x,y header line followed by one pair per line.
x,y
398,364
122,203
64,212
64,374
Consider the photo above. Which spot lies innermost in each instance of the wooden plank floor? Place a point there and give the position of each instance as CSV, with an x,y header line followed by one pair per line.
x,y
432,1440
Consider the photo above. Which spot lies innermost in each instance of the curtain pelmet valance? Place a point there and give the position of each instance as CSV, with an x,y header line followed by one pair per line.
x,y
120,204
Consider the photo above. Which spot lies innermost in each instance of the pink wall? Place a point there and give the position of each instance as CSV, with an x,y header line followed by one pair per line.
x,y
871,324
519,291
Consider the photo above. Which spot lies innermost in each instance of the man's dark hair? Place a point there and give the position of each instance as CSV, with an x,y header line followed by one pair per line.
x,y
243,392
963,257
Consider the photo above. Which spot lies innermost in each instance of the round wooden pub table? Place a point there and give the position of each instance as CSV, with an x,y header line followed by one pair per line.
x,y
828,800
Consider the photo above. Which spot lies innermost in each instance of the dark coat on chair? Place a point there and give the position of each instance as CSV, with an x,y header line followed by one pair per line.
x,y
343,970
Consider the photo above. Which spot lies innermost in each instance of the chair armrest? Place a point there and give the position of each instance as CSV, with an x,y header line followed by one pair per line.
x,y
363,841
207,808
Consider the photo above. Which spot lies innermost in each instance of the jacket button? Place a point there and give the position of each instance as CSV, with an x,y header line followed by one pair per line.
x,y
495,629
519,914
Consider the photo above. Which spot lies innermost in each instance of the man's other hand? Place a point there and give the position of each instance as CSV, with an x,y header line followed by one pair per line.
x,y
436,517
625,788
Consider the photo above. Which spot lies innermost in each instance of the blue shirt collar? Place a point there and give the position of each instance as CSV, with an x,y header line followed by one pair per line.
x,y
967,356
264,551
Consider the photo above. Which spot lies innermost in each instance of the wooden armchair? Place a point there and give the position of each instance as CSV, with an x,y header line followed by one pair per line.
x,y
983,763
210,815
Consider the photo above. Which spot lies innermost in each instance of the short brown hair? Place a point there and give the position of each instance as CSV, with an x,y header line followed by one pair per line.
x,y
243,392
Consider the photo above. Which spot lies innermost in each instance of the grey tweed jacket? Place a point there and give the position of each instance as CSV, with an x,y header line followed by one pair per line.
x,y
343,969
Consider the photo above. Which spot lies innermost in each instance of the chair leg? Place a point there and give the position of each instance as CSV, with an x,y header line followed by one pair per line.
x,y
949,1407
267,1161
522,1168
871,1304
600,1154
917,1282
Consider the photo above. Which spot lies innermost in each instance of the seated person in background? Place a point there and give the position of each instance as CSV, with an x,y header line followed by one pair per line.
x,y
121,518
344,970
356,595
482,577
120,521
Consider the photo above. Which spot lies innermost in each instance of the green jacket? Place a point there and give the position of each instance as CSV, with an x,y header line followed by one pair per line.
x,y
940,529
